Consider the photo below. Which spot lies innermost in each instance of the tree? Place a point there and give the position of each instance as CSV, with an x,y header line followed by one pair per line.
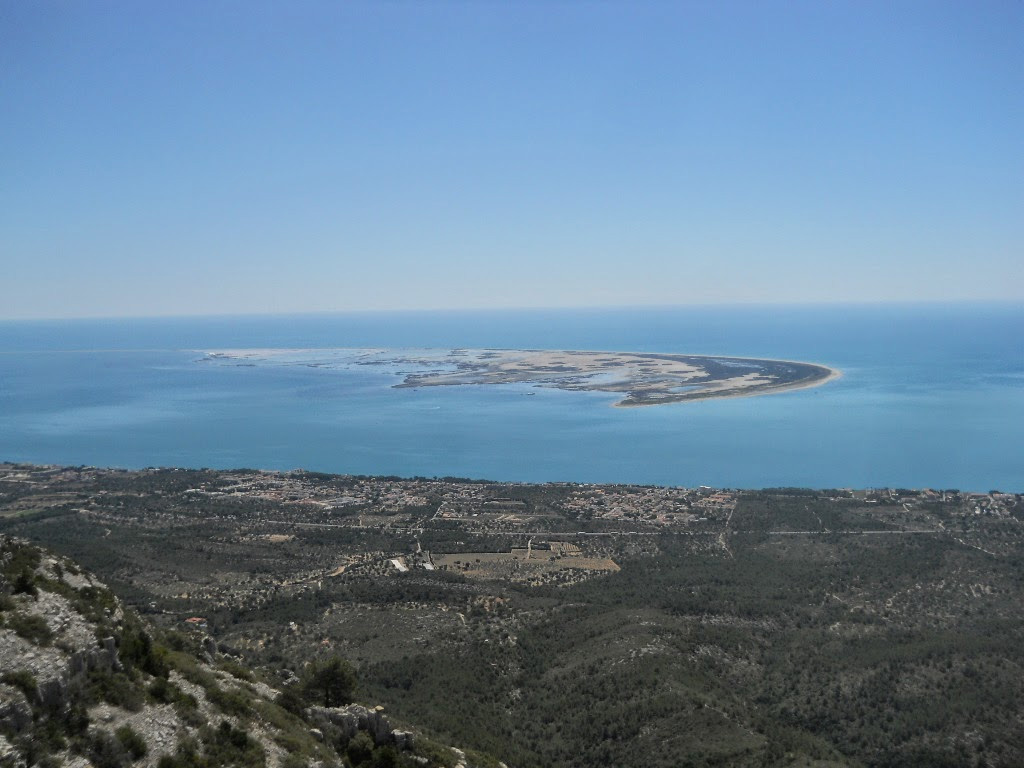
x,y
332,681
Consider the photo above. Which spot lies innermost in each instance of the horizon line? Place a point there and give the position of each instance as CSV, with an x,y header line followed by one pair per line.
x,y
496,310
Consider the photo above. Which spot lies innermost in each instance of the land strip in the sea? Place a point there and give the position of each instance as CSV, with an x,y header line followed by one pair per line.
x,y
642,378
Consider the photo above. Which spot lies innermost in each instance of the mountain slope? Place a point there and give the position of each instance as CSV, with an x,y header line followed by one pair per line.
x,y
84,681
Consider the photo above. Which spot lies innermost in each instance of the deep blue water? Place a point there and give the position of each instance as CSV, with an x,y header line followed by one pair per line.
x,y
931,396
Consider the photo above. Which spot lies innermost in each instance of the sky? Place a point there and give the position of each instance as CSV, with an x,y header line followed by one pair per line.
x,y
184,158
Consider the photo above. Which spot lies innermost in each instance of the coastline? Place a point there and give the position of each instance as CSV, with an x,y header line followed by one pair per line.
x,y
638,378
833,375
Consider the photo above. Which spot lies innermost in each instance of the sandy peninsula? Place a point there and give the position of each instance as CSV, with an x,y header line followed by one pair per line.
x,y
642,378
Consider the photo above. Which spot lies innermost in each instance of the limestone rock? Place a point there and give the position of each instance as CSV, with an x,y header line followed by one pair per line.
x,y
347,721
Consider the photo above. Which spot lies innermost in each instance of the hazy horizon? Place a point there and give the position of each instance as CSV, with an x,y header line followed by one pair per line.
x,y
753,305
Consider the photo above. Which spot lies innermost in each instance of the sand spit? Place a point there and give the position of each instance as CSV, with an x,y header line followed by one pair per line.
x,y
643,378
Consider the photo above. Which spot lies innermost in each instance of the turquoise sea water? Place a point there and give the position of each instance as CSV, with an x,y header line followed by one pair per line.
x,y
930,396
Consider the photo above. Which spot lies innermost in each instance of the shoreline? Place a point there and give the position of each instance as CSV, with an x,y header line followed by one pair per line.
x,y
637,378
833,375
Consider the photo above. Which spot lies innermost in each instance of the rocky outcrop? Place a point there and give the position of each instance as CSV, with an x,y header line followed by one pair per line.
x,y
124,701
104,657
346,722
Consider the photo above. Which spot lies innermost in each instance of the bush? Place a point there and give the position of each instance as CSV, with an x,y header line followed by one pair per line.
x,y
18,557
293,730
291,700
23,680
163,691
94,603
25,583
228,745
435,753
235,669
230,702
31,627
138,650
185,756
106,752
384,757
360,749
133,743
190,669
114,688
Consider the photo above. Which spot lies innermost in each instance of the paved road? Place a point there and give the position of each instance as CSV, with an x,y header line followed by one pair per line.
x,y
716,532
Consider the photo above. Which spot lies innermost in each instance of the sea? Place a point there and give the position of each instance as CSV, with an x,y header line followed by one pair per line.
x,y
931,396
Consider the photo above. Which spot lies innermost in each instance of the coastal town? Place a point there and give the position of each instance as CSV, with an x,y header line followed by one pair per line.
x,y
415,504
525,531
445,584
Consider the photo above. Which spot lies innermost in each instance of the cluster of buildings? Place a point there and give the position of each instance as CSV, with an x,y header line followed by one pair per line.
x,y
654,505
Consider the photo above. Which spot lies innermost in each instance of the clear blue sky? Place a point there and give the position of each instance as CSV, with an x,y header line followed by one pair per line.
x,y
164,158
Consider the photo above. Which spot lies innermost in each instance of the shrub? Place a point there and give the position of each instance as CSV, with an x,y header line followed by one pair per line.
x,y
138,650
114,688
94,603
106,752
190,669
133,743
185,756
435,753
384,757
228,745
18,558
235,669
31,627
23,680
162,691
25,583
229,701
292,731
291,700
360,748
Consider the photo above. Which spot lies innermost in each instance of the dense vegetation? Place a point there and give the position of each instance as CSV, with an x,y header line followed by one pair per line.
x,y
799,627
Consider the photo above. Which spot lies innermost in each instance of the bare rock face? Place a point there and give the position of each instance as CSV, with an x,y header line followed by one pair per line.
x,y
346,722
53,693
20,655
338,722
63,620
47,639
103,657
